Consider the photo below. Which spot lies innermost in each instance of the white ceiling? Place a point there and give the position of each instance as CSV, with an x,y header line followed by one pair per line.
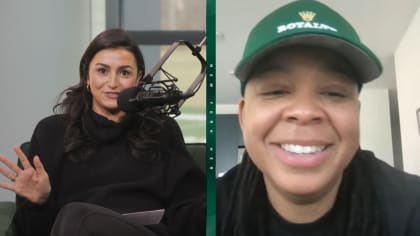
x,y
380,23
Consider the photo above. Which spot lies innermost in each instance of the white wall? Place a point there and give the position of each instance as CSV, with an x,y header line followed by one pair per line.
x,y
407,67
375,123
41,44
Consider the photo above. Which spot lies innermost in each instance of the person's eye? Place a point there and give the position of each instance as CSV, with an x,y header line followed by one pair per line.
x,y
125,73
101,70
334,94
275,93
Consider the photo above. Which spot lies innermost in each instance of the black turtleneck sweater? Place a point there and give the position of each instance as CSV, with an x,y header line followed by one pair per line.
x,y
113,178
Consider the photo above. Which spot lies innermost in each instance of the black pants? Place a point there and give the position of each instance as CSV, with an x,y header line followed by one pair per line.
x,y
84,219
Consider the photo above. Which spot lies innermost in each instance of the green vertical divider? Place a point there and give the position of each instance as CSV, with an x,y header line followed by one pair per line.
x,y
211,117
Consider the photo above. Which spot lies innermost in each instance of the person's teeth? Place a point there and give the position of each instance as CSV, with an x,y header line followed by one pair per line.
x,y
298,149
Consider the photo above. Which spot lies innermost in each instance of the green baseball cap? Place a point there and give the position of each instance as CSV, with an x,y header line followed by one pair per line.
x,y
309,23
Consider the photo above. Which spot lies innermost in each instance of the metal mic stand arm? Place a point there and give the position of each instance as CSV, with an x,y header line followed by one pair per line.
x,y
196,84
169,85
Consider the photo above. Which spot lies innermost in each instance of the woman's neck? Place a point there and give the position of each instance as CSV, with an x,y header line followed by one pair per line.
x,y
116,116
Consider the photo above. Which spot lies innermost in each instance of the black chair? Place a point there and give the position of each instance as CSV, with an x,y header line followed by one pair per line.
x,y
198,153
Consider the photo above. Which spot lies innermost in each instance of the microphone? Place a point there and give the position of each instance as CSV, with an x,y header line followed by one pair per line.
x,y
136,99
162,96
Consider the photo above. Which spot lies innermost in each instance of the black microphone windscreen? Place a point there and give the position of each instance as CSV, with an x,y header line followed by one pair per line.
x,y
127,100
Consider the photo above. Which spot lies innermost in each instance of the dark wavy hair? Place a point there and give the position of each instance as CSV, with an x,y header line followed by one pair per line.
x,y
77,100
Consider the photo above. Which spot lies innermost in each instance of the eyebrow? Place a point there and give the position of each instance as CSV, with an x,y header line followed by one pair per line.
x,y
107,66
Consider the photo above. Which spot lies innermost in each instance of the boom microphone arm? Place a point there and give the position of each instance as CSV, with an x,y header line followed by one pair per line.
x,y
163,96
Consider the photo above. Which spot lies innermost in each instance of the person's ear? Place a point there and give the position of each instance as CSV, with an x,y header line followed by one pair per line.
x,y
241,112
88,84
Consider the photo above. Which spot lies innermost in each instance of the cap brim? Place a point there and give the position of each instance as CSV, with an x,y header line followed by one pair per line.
x,y
363,60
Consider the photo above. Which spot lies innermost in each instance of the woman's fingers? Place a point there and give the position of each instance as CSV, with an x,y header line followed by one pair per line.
x,y
8,174
10,164
22,157
10,187
39,167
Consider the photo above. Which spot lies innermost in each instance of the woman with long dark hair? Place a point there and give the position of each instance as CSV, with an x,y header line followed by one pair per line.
x,y
93,163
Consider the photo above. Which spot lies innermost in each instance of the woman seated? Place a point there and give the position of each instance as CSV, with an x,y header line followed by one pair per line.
x,y
91,163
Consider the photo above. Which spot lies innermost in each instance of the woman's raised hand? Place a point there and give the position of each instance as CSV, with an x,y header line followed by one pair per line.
x,y
30,182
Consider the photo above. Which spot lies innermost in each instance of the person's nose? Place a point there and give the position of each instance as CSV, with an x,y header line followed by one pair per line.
x,y
113,80
304,109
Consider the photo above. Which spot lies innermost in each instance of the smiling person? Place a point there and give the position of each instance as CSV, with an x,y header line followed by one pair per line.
x,y
303,172
91,163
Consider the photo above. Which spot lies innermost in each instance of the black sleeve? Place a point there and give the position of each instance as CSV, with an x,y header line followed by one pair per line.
x,y
413,225
29,218
186,207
